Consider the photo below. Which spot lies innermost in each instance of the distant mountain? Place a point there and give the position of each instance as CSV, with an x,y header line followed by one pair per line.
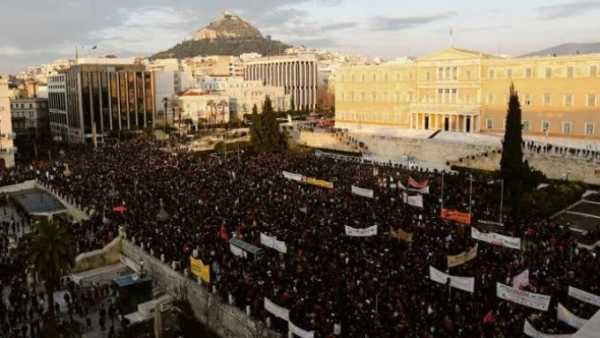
x,y
227,35
568,49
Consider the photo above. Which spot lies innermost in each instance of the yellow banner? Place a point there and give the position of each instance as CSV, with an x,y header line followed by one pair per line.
x,y
318,183
199,269
463,257
401,235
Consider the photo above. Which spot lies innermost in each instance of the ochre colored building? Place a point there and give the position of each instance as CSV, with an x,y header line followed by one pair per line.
x,y
465,91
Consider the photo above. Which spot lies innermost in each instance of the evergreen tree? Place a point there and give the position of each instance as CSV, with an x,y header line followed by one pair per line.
x,y
265,133
512,167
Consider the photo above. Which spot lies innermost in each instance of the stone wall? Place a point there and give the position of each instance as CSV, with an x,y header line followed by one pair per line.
x,y
110,254
226,320
323,140
554,167
27,185
72,209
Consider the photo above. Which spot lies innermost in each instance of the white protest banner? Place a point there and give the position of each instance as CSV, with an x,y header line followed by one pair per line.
x,y
299,331
462,257
530,331
591,247
292,176
273,243
496,239
276,310
529,299
363,192
415,201
462,283
367,232
424,191
584,296
237,251
521,280
566,316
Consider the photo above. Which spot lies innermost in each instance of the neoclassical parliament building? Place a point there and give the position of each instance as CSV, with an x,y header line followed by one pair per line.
x,y
465,91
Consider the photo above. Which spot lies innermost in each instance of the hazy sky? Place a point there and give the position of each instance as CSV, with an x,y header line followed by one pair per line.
x,y
39,31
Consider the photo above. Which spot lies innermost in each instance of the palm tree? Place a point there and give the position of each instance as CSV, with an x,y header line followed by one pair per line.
x,y
52,255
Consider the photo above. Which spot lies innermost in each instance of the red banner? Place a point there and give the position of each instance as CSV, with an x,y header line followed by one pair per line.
x,y
456,216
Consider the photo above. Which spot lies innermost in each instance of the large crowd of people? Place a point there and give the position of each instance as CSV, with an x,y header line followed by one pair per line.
x,y
375,286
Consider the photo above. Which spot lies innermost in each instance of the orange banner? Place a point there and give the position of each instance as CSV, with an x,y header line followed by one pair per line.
x,y
456,216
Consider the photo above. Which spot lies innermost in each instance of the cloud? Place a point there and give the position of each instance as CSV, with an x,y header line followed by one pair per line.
x,y
566,10
316,43
10,51
339,26
384,23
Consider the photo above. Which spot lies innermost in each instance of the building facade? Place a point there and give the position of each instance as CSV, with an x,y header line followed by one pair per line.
x,y
204,108
296,74
244,95
30,117
465,91
7,149
57,106
105,98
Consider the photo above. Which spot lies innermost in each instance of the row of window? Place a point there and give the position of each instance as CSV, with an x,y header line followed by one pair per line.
x,y
549,72
452,74
567,127
566,100
42,105
450,96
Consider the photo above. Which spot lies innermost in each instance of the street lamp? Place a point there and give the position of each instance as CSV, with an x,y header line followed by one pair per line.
x,y
165,103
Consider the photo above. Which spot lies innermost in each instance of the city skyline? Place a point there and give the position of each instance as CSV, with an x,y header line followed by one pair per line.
x,y
383,29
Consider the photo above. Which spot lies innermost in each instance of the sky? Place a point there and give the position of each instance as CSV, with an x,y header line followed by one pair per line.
x,y
40,31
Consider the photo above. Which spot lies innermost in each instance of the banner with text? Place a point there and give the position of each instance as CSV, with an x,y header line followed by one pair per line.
x,y
456,216
531,331
414,200
529,299
237,251
401,235
462,257
496,239
367,232
584,296
276,310
299,331
318,182
363,192
293,177
200,270
273,243
566,316
462,283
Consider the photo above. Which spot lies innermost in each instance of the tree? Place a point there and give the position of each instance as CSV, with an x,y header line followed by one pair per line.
x,y
256,128
512,167
52,255
272,139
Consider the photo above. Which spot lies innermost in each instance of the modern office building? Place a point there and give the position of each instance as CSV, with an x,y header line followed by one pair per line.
x,y
30,117
466,91
57,106
297,74
7,149
103,98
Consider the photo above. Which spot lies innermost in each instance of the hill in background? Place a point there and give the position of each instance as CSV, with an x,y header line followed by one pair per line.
x,y
568,49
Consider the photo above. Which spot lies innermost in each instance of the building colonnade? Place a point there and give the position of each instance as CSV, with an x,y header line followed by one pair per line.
x,y
451,122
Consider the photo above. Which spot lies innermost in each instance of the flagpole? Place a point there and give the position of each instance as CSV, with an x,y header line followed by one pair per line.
x,y
443,190
501,199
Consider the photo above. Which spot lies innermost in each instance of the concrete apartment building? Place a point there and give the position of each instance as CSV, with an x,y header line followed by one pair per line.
x,y
296,74
467,91
7,149
29,117
100,99
57,106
